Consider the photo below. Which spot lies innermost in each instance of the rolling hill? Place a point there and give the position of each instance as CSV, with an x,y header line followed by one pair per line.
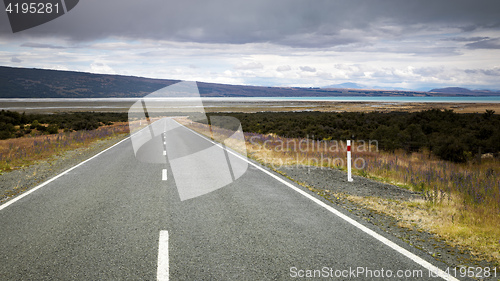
x,y
42,83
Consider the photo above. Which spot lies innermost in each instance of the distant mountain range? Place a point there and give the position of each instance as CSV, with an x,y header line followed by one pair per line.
x,y
42,83
464,92
440,91
347,85
351,85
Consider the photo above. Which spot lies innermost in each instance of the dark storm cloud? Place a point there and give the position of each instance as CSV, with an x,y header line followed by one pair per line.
x,y
489,72
288,22
485,44
466,39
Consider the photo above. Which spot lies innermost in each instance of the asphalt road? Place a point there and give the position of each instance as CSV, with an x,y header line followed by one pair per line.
x,y
103,219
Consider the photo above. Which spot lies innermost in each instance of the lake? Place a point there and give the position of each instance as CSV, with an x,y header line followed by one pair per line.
x,y
254,104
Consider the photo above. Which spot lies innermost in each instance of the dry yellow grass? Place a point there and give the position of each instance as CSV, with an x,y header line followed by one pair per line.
x,y
447,221
19,152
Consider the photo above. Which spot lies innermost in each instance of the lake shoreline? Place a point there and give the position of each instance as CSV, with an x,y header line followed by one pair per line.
x,y
243,105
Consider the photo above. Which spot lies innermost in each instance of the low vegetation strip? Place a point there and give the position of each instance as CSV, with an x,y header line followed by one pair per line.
x,y
448,135
15,125
27,138
438,180
17,153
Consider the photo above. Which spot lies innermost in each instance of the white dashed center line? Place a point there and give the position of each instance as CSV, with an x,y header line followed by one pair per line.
x,y
164,175
162,274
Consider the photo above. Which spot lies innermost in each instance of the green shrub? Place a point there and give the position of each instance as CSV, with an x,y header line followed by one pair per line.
x,y
53,129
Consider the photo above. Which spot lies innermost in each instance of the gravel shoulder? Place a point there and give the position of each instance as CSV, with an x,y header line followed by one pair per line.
x,y
18,181
332,185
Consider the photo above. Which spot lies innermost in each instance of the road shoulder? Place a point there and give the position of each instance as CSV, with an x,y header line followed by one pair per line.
x,y
18,181
332,185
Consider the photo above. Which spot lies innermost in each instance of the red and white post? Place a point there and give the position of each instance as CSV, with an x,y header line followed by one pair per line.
x,y
349,172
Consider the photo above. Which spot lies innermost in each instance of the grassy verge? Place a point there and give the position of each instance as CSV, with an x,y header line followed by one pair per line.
x,y
461,202
20,152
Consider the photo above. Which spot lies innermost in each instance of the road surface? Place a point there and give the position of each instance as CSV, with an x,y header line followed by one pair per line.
x,y
116,218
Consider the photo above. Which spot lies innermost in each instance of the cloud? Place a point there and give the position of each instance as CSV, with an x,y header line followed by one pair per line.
x,y
248,66
429,71
308,69
488,72
283,68
320,40
99,67
295,23
42,46
283,42
466,39
15,59
485,44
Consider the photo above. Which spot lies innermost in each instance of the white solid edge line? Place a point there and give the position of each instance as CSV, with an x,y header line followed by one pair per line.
x,y
162,273
164,175
430,267
19,197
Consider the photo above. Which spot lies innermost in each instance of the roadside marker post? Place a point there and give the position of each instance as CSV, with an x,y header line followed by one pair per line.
x,y
349,172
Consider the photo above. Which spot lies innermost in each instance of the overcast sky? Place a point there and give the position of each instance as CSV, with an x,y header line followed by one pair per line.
x,y
391,43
